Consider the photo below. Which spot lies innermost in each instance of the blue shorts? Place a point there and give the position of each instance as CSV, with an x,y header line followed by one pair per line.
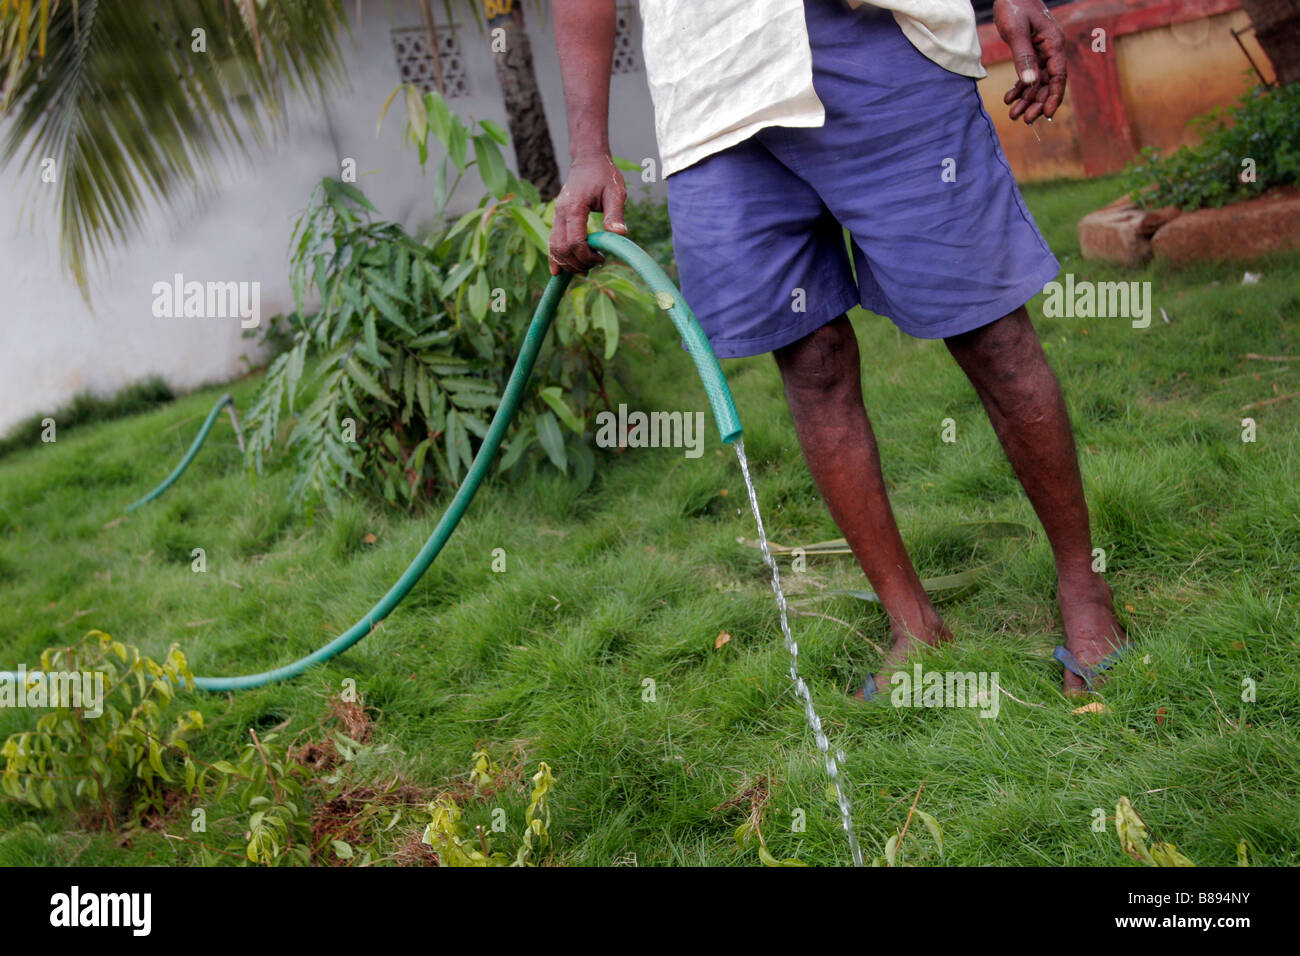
x,y
908,161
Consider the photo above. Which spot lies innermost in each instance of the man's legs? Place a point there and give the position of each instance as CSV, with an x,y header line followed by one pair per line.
x,y
823,386
1006,364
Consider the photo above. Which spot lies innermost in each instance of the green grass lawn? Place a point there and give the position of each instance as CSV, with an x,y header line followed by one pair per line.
x,y
636,577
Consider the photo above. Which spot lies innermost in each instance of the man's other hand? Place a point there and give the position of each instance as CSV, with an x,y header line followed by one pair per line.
x,y
594,185
1038,54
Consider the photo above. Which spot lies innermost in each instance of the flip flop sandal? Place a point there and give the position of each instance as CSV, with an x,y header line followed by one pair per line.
x,y
871,694
1081,670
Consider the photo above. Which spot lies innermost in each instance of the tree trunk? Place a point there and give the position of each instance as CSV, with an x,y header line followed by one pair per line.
x,y
431,29
1277,28
534,152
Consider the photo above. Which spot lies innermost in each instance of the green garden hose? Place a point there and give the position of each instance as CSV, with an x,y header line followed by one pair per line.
x,y
668,298
226,401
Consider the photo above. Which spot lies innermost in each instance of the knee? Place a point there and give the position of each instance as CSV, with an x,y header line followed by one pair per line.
x,y
1006,361
825,360
1003,346
1006,351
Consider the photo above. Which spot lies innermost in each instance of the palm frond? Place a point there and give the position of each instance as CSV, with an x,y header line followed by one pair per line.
x,y
133,108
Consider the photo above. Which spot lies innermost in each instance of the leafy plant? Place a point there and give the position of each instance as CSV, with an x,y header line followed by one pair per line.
x,y
751,830
502,246
280,801
890,856
457,845
131,751
537,818
122,749
451,838
757,793
272,791
1132,833
413,341
485,771
893,855
1245,151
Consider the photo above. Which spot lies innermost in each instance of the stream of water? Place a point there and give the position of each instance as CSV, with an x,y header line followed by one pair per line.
x,y
833,761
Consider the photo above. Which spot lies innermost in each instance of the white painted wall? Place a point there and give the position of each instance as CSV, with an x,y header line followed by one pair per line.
x,y
52,345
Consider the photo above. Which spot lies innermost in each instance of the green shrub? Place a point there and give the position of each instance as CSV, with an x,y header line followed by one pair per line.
x,y
122,748
1245,151
87,408
271,790
414,341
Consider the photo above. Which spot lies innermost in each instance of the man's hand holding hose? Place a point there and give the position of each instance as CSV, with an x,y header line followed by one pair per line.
x,y
594,184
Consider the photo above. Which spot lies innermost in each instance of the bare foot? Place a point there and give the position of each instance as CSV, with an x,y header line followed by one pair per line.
x,y
932,631
1091,628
